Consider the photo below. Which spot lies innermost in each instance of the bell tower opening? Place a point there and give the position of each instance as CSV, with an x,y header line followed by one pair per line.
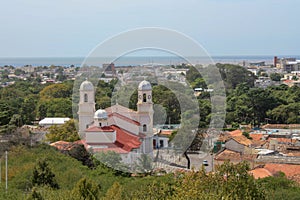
x,y
86,97
144,128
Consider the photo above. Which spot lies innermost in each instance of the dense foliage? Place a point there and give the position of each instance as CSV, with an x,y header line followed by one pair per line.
x,y
79,182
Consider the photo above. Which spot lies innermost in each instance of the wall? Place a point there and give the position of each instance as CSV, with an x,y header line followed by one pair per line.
x,y
100,137
233,145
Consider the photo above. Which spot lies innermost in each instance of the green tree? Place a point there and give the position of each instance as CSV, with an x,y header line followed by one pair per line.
x,y
114,192
86,189
228,182
57,107
62,90
279,187
35,195
43,176
275,76
66,132
233,75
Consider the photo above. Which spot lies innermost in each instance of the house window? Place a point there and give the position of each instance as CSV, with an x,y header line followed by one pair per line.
x,y
144,128
85,98
144,97
161,143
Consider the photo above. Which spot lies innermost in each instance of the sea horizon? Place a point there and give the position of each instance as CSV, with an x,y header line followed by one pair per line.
x,y
137,60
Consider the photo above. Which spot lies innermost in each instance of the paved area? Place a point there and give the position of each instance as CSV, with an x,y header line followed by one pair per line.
x,y
170,160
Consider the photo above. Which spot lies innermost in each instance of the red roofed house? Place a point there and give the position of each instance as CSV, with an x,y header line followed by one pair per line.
x,y
117,128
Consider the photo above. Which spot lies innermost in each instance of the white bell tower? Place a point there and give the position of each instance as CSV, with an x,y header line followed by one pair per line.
x,y
86,105
145,113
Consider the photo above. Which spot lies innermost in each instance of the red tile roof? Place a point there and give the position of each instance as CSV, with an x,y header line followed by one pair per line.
x,y
242,140
260,173
235,133
228,155
100,129
166,132
256,137
288,169
128,140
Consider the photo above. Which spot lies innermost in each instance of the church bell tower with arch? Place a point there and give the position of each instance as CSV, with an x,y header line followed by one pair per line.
x,y
145,113
86,105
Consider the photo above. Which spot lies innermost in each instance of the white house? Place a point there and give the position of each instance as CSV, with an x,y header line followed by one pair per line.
x,y
49,121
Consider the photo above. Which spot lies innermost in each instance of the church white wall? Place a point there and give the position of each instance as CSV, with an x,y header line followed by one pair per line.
x,y
132,128
100,137
147,145
84,121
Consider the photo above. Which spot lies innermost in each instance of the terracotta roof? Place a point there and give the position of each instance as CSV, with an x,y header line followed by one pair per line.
x,y
256,137
124,118
231,155
293,154
288,169
165,132
128,140
100,129
260,173
235,133
242,140
228,155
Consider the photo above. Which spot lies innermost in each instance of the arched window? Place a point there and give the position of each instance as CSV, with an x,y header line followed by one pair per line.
x,y
144,97
144,128
85,98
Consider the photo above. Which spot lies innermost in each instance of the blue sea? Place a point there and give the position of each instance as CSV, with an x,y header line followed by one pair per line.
x,y
133,61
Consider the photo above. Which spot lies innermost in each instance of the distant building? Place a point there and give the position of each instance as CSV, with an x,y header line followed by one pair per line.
x,y
109,70
287,64
257,64
50,121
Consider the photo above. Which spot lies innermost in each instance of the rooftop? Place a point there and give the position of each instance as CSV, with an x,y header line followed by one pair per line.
x,y
260,173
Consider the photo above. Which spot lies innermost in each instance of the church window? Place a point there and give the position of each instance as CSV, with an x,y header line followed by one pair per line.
x,y
85,98
144,97
144,128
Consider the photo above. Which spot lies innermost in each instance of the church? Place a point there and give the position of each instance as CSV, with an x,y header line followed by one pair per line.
x,y
117,128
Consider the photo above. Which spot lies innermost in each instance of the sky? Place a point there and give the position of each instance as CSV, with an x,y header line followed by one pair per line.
x,y
67,28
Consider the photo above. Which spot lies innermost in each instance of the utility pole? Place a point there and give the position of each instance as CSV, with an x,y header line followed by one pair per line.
x,y
6,170
212,161
0,172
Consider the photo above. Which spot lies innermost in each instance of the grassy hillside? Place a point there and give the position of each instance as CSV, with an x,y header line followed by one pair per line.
x,y
68,171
